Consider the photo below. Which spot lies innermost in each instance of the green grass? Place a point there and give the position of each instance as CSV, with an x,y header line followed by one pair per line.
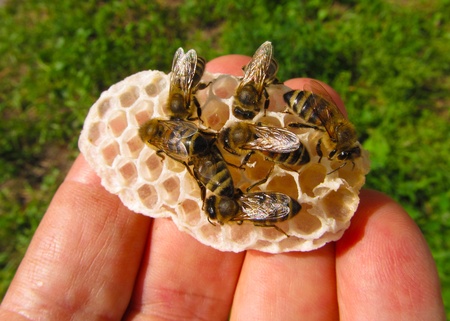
x,y
388,60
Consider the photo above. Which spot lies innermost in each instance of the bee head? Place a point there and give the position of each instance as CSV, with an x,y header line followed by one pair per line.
x,y
221,209
349,154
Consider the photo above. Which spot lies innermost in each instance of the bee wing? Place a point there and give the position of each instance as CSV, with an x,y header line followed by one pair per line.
x,y
319,92
256,69
176,66
181,129
273,139
263,207
183,70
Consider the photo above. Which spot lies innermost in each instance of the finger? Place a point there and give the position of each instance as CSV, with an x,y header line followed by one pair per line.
x,y
180,277
230,64
287,286
84,257
384,267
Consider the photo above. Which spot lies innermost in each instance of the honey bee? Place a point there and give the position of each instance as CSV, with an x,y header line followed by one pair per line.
x,y
212,173
276,144
187,71
262,209
258,73
320,112
181,140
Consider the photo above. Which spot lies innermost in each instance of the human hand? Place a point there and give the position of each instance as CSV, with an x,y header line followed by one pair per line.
x,y
93,259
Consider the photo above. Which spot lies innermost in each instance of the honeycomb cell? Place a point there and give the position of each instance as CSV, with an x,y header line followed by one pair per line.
x,y
191,211
142,112
103,107
284,184
171,187
339,204
95,133
152,167
224,86
118,123
128,173
174,166
305,223
110,152
311,176
148,195
215,114
156,86
128,97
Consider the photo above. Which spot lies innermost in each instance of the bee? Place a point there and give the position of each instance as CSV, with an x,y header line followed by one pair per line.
x,y
187,71
320,112
181,140
212,173
258,73
262,209
275,144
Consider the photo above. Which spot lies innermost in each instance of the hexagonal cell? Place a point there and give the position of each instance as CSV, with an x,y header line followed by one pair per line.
x,y
190,212
103,107
148,195
339,204
143,111
128,97
96,133
173,165
171,187
117,123
215,114
305,223
224,86
110,152
284,184
311,176
151,166
132,144
128,172
156,86
242,234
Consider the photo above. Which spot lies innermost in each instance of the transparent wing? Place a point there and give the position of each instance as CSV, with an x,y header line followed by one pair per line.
x,y
273,139
256,69
180,129
319,93
263,207
176,64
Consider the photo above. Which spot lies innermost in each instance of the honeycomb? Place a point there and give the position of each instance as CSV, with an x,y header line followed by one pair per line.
x,y
162,187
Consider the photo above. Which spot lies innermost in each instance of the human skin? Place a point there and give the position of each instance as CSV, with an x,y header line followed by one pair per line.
x,y
93,259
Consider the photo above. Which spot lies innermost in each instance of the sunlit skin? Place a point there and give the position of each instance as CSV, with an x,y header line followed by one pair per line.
x,y
93,259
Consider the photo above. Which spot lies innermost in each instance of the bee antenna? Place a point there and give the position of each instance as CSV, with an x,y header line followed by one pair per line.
x,y
334,170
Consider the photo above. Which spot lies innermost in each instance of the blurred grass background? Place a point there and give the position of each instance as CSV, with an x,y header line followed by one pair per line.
x,y
389,60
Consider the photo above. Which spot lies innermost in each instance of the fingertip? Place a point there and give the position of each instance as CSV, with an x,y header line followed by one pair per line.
x,y
82,172
229,64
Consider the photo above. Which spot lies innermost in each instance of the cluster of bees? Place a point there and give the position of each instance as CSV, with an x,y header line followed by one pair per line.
x,y
183,138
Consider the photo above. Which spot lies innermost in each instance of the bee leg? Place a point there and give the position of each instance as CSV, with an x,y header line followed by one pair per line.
x,y
246,158
198,107
212,223
160,153
319,149
272,225
302,125
334,170
266,102
203,85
